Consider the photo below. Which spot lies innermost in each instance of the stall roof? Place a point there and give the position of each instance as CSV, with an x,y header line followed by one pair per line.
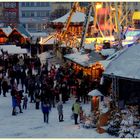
x,y
13,49
136,15
90,46
7,30
23,31
95,92
77,17
126,64
85,60
105,63
107,52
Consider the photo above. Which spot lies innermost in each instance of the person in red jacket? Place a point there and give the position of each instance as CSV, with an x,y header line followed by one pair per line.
x,y
19,98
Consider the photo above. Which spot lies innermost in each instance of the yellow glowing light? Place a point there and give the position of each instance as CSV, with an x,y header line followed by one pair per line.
x,y
98,5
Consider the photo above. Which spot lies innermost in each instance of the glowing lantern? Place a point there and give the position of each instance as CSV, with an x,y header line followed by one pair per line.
x,y
98,5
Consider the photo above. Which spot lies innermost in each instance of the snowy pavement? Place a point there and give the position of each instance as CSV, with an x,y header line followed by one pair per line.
x,y
29,124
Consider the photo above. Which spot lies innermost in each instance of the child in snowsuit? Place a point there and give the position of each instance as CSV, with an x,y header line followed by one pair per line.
x,y
25,101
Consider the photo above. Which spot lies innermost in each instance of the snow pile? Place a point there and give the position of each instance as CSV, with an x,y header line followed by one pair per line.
x,y
30,123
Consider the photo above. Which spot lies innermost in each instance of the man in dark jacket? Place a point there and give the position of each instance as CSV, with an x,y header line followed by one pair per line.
x,y
46,109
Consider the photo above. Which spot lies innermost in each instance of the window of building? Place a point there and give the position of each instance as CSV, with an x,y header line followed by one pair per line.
x,y
28,14
23,4
38,4
32,14
27,4
42,4
9,4
42,13
23,14
31,26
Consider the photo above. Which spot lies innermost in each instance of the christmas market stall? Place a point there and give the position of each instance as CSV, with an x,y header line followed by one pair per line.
x,y
18,37
4,33
122,77
3,37
76,23
92,64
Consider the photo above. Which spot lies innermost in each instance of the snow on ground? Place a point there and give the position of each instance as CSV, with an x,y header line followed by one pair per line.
x,y
29,124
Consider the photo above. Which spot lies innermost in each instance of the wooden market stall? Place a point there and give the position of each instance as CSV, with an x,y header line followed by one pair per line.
x,y
16,37
76,23
89,63
4,33
3,37
124,77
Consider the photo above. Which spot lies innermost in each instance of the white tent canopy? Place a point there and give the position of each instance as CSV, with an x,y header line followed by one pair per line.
x,y
126,64
77,17
95,92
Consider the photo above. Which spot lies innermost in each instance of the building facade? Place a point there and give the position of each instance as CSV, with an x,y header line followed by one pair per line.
x,y
10,13
34,15
1,14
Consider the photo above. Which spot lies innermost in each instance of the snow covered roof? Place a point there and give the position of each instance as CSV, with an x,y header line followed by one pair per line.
x,y
77,17
38,34
107,52
7,30
23,31
105,63
89,46
126,64
85,60
95,92
13,49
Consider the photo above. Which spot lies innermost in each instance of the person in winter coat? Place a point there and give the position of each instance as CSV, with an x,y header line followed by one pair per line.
x,y
60,111
37,100
25,101
1,76
4,86
14,100
19,98
14,104
46,109
76,110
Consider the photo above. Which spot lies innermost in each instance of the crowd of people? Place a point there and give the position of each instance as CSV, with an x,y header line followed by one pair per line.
x,y
44,84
